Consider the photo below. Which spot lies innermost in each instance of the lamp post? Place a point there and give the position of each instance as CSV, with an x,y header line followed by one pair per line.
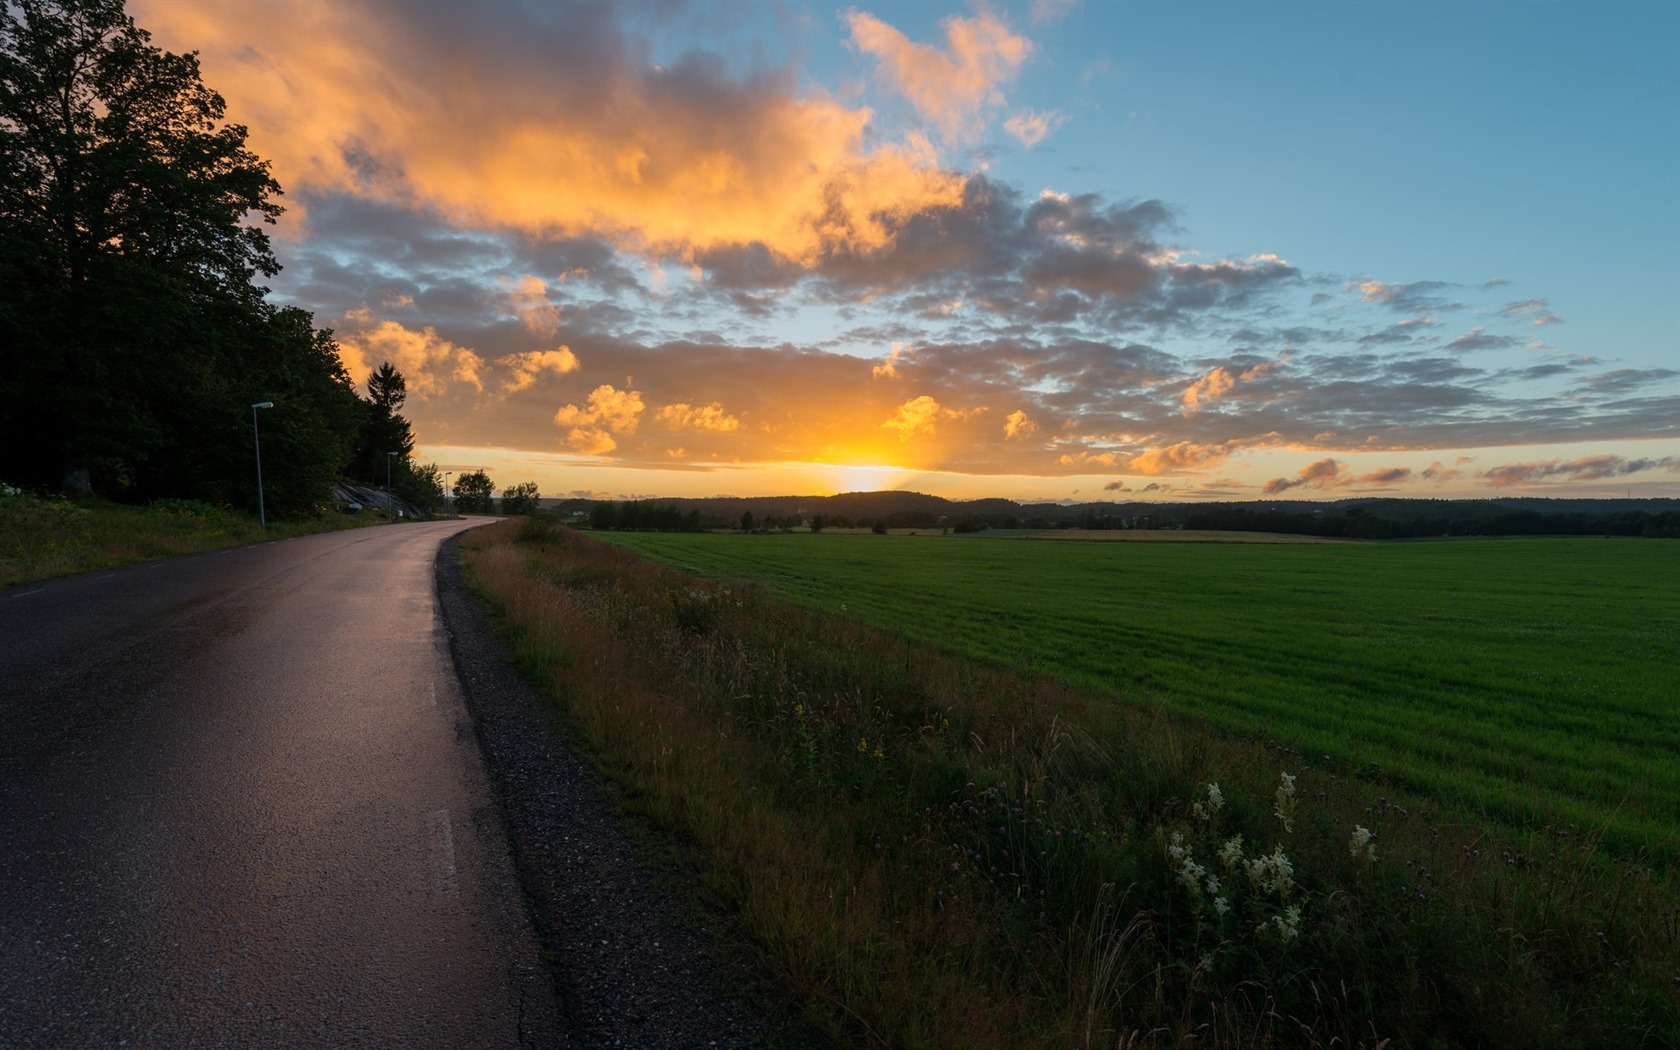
x,y
448,510
256,439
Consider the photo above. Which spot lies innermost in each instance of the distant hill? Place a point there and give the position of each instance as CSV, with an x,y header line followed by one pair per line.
x,y
1371,517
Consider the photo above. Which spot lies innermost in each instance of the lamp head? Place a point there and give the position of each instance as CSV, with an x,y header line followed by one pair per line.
x,y
263,404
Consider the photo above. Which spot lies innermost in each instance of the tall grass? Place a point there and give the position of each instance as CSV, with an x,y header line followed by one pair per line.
x,y
940,852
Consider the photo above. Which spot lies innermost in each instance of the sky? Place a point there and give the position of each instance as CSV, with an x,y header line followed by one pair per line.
x,y
1044,251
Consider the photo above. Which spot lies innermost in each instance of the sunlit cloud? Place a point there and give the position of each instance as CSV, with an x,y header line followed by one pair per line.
x,y
562,128
429,363
1030,127
951,86
712,417
524,369
1178,458
1318,474
530,302
609,411
1018,424
1209,388
1586,468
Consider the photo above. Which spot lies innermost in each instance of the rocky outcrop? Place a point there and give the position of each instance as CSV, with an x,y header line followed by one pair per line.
x,y
352,498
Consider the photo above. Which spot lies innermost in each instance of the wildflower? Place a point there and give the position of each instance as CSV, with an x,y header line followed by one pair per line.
x,y
1206,961
1289,923
1221,905
1191,875
879,753
1231,853
1285,809
1211,808
1213,885
1272,873
1360,843
1175,848
863,745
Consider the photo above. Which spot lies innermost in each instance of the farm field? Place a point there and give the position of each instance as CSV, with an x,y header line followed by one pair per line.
x,y
1529,682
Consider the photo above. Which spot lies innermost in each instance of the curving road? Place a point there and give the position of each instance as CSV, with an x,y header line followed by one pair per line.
x,y
241,804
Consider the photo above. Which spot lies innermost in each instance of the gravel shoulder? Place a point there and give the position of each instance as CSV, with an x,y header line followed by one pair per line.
x,y
628,969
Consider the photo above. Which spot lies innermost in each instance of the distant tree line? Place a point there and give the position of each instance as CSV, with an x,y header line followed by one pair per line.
x,y
643,516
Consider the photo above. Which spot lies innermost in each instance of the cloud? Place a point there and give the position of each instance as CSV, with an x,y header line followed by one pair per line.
x,y
1030,127
610,411
1182,457
1209,388
948,87
1584,469
1539,309
1477,338
1017,424
888,369
429,363
917,417
530,302
1319,474
526,368
712,417
1390,476
551,120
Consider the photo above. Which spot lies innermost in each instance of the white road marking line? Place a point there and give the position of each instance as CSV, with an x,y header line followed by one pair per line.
x,y
25,594
441,847
433,684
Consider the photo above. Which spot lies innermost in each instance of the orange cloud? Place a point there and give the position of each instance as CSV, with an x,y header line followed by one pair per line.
x,y
530,303
429,363
1017,423
1031,127
916,417
368,100
1176,459
526,368
610,411
949,87
1318,474
1210,387
710,417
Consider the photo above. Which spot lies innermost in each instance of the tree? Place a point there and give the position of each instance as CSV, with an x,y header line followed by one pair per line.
x,y
475,493
520,499
419,484
746,521
126,257
383,429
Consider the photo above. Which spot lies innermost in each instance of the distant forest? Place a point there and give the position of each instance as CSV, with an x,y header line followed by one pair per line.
x,y
1380,519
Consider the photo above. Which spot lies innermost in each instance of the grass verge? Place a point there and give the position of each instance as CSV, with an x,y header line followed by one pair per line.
x,y
937,852
42,537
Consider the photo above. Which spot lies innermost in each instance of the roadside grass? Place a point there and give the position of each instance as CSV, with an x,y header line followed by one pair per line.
x,y
1523,682
42,537
940,851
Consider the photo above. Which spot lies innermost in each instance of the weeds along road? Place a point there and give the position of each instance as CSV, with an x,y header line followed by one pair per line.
x,y
241,804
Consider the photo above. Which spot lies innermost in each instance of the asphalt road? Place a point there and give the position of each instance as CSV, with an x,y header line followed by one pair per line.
x,y
241,804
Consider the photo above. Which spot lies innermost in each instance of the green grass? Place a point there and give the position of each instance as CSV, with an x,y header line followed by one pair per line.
x,y
936,850
42,537
1528,682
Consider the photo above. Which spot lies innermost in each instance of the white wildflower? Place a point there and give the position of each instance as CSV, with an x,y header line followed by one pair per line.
x,y
1191,875
1289,923
1360,843
1231,854
1210,809
1175,848
1221,905
1213,885
1285,809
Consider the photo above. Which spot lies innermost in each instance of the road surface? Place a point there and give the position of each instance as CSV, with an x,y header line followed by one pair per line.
x,y
241,804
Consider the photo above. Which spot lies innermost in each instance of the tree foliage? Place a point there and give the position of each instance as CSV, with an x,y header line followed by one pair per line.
x,y
475,493
521,498
133,337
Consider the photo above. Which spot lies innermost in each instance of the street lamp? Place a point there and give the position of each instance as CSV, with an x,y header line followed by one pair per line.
x,y
256,439
392,512
448,511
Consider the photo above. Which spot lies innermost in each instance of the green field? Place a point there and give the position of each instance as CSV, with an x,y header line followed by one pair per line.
x,y
1524,682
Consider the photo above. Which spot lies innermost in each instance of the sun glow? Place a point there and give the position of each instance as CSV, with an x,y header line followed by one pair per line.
x,y
860,477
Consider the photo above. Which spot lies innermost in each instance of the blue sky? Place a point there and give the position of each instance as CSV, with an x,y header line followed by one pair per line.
x,y
1044,251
